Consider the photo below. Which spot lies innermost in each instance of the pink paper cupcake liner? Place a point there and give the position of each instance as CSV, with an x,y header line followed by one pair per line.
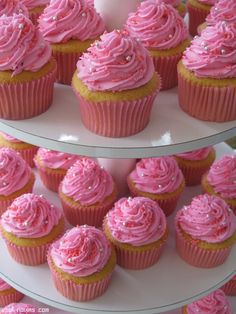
x,y
51,180
230,288
123,118
196,17
216,104
193,175
12,297
28,155
24,100
66,66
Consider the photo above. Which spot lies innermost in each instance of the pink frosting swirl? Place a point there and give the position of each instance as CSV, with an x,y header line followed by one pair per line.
x,y
214,303
90,2
87,182
222,176
198,154
22,46
208,2
15,173
224,10
213,54
157,175
54,159
15,308
9,138
174,3
207,218
4,285
117,62
30,216
157,25
82,251
9,7
31,4
136,221
63,20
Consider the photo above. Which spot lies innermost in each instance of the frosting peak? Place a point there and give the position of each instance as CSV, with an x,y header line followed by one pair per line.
x,y
223,10
197,154
9,7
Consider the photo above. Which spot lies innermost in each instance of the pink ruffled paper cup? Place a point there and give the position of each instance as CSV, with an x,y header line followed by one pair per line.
x,y
196,17
51,179
28,155
230,288
10,296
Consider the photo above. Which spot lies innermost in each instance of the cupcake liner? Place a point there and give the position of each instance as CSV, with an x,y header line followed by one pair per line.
x,y
230,288
12,297
18,101
28,155
216,104
196,17
116,119
50,179
66,65
193,175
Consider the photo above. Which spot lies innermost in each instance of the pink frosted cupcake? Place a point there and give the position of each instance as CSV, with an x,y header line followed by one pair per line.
x,y
164,33
81,263
35,8
70,28
23,308
137,229
29,226
8,294
87,192
178,5
159,179
116,85
205,231
195,163
16,177
52,166
220,180
207,75
230,287
26,69
9,7
214,303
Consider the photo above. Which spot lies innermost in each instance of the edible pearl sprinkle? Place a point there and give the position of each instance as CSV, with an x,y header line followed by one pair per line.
x,y
128,58
21,26
54,18
89,187
4,184
83,14
222,51
70,260
170,36
159,186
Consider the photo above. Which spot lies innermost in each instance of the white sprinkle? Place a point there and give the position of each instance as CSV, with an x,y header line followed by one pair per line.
x,y
128,58
83,14
222,51
89,187
54,18
21,26
159,186
170,36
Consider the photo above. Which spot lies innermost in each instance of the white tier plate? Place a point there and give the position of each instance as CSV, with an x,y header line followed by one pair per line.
x,y
167,285
169,131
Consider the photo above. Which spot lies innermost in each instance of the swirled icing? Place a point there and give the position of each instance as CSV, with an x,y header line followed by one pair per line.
x,y
136,221
9,138
9,7
157,25
31,4
207,218
223,10
198,154
22,46
222,176
213,54
208,2
30,216
63,20
214,303
174,3
82,251
22,308
54,159
157,175
117,62
90,2
15,173
87,182
4,285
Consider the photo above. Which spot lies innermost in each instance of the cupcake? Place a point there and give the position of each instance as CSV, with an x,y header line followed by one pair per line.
x,y
214,303
27,151
70,28
81,263
26,69
230,287
205,231
16,177
9,7
164,33
207,75
52,166
220,180
116,85
159,179
23,308
195,163
29,226
8,294
198,11
87,192
178,5
137,228
35,8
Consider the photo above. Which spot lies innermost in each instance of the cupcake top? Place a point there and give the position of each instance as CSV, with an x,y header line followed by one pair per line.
x,y
30,216
9,7
157,25
82,251
31,4
157,175
87,182
4,285
90,2
214,303
63,20
22,46
207,218
9,138
117,62
136,221
22,308
198,154
213,54
223,10
222,176
174,3
54,160
15,173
